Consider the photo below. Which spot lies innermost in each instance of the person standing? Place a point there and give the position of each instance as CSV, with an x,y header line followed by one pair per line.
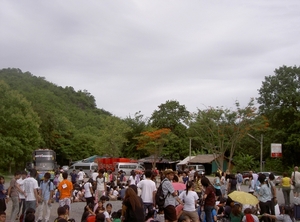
x,y
264,197
101,185
239,180
46,195
223,184
296,181
285,184
73,176
132,179
13,191
2,195
81,175
148,188
209,198
88,192
231,185
31,191
94,175
217,185
20,181
65,188
171,196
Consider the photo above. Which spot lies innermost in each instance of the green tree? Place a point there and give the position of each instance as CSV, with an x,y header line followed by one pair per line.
x,y
245,162
172,115
112,136
19,128
221,130
138,124
279,100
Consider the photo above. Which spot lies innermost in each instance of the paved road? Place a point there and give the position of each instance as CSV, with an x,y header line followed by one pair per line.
x,y
77,208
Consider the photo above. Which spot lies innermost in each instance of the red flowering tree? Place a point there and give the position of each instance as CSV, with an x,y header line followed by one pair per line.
x,y
153,141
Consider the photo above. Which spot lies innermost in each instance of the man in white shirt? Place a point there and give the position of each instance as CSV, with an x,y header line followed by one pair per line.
x,y
21,196
81,175
31,191
148,188
94,175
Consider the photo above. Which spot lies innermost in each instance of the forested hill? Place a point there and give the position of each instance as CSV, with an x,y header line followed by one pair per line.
x,y
79,107
66,119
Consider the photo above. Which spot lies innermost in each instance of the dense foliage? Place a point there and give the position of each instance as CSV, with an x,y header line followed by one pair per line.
x,y
35,113
280,102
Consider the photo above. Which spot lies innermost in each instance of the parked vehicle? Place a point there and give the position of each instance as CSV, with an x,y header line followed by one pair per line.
x,y
88,168
65,168
246,176
44,160
276,174
109,163
128,167
198,168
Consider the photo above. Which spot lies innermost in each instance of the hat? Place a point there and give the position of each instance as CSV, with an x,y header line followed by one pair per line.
x,y
168,171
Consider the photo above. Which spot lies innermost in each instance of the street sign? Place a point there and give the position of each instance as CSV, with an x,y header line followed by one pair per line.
x,y
276,150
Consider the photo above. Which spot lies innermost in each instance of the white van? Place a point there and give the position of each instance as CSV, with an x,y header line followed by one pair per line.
x,y
198,168
88,168
128,167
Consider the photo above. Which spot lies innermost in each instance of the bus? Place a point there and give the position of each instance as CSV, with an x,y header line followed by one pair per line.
x,y
44,160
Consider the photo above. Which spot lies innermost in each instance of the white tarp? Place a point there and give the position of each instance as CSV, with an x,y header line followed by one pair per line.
x,y
185,161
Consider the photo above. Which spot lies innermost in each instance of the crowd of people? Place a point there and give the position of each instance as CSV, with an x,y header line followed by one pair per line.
x,y
201,200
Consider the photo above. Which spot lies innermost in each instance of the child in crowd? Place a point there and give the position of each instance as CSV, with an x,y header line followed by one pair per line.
x,y
107,213
2,216
249,216
113,195
100,204
78,195
88,214
100,217
29,215
236,214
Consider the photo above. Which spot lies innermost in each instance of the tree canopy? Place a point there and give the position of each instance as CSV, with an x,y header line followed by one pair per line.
x,y
35,113
279,99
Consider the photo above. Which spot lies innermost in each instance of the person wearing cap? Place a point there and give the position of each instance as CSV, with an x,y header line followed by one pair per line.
x,y
171,196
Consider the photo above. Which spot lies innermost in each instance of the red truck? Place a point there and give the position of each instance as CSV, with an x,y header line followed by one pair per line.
x,y
109,162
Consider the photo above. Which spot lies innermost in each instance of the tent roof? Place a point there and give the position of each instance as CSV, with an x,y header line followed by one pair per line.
x,y
185,161
206,158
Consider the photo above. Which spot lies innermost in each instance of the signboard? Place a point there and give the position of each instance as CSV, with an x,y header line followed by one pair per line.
x,y
276,150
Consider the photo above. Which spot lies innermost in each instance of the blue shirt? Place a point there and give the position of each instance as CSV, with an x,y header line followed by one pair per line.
x,y
73,177
2,195
46,187
264,193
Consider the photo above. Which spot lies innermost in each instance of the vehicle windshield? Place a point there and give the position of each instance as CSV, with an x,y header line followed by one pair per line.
x,y
44,166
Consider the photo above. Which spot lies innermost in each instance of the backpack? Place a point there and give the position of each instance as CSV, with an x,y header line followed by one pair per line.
x,y
159,196
239,178
49,183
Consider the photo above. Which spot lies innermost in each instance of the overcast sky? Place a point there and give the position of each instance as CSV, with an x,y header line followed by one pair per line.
x,y
135,55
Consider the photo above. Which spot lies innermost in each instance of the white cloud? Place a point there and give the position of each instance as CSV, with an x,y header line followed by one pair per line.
x,y
135,55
